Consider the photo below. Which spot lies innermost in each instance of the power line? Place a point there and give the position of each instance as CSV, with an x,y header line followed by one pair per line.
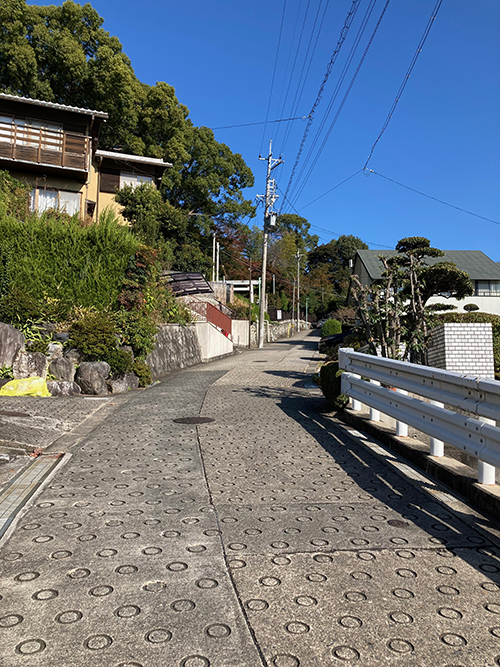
x,y
458,208
261,122
354,47
343,34
331,189
341,106
303,77
406,77
274,74
297,49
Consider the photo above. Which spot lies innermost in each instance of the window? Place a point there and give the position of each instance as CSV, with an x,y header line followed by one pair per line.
x,y
31,132
487,288
134,179
43,199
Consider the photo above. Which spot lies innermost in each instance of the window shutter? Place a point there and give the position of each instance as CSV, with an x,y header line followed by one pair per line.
x,y
110,182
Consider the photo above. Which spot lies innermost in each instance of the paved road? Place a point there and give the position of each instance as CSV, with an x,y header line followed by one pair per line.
x,y
267,536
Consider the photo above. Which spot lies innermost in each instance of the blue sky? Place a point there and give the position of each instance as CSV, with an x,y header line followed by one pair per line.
x,y
443,139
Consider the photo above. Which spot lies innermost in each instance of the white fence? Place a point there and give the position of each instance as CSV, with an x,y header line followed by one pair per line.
x,y
362,379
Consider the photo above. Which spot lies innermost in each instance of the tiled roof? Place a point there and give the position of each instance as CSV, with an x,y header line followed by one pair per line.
x,y
53,105
478,265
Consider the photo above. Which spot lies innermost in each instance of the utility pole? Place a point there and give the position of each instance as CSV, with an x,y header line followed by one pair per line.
x,y
298,256
269,221
293,302
217,272
250,301
213,259
274,284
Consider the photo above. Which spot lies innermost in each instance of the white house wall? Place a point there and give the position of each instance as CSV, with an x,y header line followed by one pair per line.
x,y
487,304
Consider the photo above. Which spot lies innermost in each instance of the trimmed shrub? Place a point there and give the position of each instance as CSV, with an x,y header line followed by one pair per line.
x,y
331,385
94,335
143,372
330,328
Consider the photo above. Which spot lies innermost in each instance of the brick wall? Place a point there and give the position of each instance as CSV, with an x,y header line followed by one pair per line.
x,y
463,348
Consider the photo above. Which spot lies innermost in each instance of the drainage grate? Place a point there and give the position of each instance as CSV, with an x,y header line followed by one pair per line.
x,y
193,420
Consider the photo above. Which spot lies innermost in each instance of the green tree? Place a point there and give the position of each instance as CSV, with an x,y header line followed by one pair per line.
x,y
335,257
62,54
394,311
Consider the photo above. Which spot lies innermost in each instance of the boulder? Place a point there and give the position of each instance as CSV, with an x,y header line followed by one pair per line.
x,y
63,369
54,351
61,337
11,342
91,376
63,388
75,356
122,382
30,364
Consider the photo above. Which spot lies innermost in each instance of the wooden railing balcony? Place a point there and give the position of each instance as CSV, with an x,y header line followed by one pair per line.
x,y
44,146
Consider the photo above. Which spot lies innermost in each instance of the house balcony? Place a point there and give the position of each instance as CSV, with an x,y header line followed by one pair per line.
x,y
27,146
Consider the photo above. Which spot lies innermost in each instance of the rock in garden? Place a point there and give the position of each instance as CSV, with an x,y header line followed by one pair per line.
x,y
11,342
63,388
91,376
123,382
74,355
30,364
63,369
61,337
54,351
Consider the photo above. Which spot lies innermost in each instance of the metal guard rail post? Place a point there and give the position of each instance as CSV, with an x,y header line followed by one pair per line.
x,y
467,392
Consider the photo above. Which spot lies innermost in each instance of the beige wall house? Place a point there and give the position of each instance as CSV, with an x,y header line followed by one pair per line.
x,y
53,147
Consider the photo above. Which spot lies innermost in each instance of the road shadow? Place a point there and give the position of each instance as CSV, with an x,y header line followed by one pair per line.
x,y
314,416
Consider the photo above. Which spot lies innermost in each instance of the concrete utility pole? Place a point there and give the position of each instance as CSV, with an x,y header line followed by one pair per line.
x,y
213,258
269,221
298,256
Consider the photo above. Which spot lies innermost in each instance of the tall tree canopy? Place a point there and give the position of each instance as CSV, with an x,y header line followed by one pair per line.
x,y
63,54
333,258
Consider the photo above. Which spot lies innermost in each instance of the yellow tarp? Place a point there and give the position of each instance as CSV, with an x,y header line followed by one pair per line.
x,y
34,386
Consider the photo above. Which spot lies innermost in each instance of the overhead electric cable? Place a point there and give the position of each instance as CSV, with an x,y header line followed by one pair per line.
x,y
297,49
274,73
332,189
458,208
343,34
299,185
260,122
303,76
406,77
341,106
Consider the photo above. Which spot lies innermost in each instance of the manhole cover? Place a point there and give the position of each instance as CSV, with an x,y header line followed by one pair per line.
x,y
8,413
397,523
193,420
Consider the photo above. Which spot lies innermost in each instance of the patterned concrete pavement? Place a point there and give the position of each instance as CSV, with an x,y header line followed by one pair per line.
x,y
267,536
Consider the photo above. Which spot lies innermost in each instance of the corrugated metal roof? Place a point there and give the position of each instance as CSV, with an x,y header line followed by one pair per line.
x,y
478,265
125,157
53,105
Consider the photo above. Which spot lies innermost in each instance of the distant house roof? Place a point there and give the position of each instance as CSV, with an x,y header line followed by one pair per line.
x,y
474,262
53,105
125,157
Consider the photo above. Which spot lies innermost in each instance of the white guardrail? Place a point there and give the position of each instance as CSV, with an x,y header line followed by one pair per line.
x,y
363,374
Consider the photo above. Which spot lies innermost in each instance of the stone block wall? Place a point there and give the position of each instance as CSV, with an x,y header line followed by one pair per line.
x,y
463,348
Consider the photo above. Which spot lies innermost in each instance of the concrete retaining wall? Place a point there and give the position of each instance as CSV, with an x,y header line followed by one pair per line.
x,y
272,331
213,343
176,347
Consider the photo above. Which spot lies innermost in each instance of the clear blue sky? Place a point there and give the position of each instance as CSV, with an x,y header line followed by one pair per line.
x,y
444,138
